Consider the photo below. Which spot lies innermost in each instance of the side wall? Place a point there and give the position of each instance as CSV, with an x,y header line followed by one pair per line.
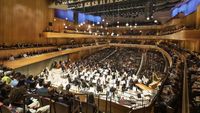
x,y
23,21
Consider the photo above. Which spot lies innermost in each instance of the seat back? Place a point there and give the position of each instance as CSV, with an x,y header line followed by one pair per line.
x,y
61,108
76,106
88,108
47,101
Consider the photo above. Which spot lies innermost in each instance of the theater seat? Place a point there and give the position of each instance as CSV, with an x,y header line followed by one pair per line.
x,y
88,108
61,108
46,101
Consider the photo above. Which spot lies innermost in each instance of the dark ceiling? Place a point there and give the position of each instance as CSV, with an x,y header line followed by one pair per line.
x,y
124,11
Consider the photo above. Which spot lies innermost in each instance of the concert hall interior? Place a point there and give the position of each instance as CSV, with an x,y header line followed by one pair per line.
x,y
99,56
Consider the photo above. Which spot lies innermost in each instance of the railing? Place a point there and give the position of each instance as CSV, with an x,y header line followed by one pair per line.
x,y
185,97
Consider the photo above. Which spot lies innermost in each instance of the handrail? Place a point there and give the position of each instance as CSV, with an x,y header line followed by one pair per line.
x,y
185,97
141,63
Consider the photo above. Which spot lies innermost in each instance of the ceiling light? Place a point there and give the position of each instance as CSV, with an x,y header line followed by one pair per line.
x,y
112,34
148,18
118,22
103,20
127,24
107,23
117,26
93,25
135,24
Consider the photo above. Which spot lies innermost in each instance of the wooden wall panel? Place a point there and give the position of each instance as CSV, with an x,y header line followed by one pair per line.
x,y
198,18
22,21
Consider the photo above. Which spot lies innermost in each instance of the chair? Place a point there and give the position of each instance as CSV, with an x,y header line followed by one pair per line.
x,y
76,106
88,108
47,101
61,108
